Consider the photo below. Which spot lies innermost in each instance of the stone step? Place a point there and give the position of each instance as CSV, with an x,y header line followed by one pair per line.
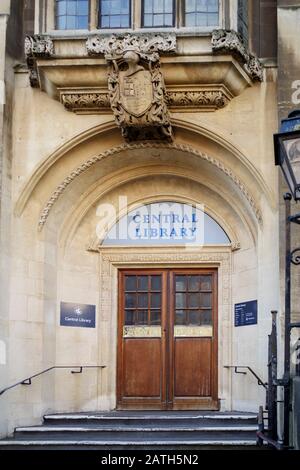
x,y
141,443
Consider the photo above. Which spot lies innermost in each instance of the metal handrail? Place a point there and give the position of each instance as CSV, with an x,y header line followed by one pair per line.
x,y
259,380
27,381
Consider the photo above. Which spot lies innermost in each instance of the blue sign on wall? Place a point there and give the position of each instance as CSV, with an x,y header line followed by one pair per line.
x,y
245,313
80,315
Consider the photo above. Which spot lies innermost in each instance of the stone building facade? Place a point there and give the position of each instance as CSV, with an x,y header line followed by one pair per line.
x,y
124,101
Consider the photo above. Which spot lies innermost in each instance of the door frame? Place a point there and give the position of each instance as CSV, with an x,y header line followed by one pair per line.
x,y
167,399
111,258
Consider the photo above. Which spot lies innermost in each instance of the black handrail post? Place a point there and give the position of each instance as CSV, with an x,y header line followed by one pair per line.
x,y
287,322
272,380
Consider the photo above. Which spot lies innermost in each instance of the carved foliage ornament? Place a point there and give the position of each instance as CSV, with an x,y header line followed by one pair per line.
x,y
231,42
37,47
136,87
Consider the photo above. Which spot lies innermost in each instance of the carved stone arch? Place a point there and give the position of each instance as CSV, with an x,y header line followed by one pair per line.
x,y
59,190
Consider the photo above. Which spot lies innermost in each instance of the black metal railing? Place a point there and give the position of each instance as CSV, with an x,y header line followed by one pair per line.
x,y
28,380
238,370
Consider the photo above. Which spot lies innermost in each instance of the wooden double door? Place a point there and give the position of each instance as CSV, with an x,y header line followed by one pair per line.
x,y
167,339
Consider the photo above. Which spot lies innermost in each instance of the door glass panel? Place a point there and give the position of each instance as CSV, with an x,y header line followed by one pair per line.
x,y
180,317
143,300
206,317
142,317
143,283
130,283
205,283
155,317
142,305
130,300
181,283
180,300
155,300
194,300
155,283
194,317
205,300
194,283
129,317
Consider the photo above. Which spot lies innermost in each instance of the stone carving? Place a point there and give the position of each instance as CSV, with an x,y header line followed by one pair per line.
x,y
148,45
183,147
135,83
224,40
98,102
197,99
85,102
37,47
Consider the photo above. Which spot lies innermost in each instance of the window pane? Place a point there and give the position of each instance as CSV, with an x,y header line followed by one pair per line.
x,y
75,13
212,19
201,19
61,22
212,5
82,22
71,22
190,6
114,13
190,19
61,8
158,13
82,8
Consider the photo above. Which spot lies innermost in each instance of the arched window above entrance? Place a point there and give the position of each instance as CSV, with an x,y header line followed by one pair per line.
x,y
163,223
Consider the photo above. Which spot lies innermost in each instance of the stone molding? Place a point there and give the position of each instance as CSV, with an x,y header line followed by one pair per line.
x,y
177,146
97,102
37,46
230,41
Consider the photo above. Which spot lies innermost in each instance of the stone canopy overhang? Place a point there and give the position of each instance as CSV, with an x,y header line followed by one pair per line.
x,y
200,72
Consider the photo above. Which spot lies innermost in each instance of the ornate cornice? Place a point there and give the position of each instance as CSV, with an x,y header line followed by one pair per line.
x,y
110,152
96,102
147,45
37,47
230,41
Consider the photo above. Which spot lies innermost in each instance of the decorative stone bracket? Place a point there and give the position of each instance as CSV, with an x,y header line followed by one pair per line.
x,y
37,47
229,41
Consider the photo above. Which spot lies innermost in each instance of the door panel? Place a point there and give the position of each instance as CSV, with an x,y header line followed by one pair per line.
x,y
192,367
142,376
167,346
141,345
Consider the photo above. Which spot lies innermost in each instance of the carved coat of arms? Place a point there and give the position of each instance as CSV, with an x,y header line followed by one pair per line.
x,y
136,86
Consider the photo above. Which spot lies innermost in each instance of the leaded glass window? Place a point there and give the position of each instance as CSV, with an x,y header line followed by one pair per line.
x,y
243,19
72,14
114,13
158,13
201,13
